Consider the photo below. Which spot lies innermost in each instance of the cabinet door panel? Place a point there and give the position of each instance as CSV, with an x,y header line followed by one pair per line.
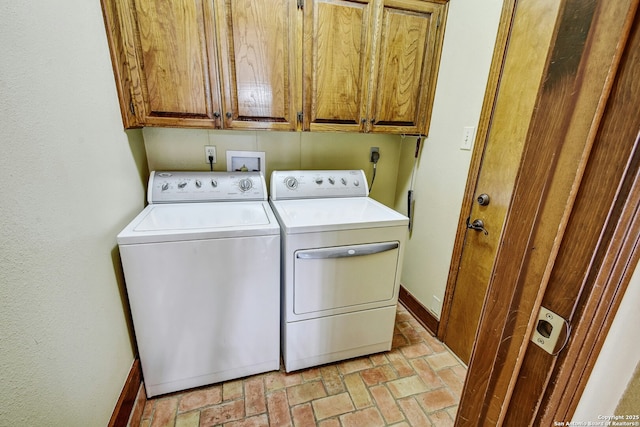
x,y
174,59
337,49
405,67
257,42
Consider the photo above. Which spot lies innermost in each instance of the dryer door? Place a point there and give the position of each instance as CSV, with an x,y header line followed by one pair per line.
x,y
355,276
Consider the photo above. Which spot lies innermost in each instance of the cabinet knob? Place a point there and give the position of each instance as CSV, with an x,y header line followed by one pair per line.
x,y
216,114
228,114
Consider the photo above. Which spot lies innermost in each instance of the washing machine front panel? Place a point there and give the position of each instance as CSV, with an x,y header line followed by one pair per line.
x,y
204,311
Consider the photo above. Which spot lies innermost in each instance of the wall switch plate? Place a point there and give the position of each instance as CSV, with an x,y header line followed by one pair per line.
x,y
209,150
468,135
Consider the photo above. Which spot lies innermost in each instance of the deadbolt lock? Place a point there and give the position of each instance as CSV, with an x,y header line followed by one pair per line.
x,y
551,331
483,199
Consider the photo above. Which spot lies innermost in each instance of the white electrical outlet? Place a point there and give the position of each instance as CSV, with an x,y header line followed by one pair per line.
x,y
468,135
209,150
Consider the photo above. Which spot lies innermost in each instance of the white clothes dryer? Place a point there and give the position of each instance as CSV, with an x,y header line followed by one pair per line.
x,y
341,260
202,271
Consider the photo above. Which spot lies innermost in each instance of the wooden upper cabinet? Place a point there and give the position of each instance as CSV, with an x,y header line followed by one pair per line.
x,y
371,65
164,62
319,65
406,66
259,53
337,57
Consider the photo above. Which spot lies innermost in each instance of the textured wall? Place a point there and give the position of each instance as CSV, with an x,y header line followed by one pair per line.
x,y
442,171
183,149
70,179
616,362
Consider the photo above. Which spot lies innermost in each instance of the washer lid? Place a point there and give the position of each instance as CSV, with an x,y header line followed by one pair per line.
x,y
190,221
312,215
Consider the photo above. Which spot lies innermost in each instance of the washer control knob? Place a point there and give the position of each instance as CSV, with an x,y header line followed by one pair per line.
x,y
343,181
182,184
165,186
319,180
332,181
356,183
214,183
291,183
245,184
198,183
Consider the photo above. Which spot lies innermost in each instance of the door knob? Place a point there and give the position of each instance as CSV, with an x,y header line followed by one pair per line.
x,y
477,225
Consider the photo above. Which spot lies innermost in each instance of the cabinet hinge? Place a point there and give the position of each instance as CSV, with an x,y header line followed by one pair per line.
x,y
300,4
132,107
300,116
438,21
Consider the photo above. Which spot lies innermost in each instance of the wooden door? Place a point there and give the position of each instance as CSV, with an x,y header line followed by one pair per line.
x,y
337,46
260,54
406,62
504,127
175,77
572,231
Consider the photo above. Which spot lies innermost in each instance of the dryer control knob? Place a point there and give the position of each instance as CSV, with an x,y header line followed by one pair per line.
x,y
291,183
198,183
356,183
343,181
319,180
214,183
165,186
332,181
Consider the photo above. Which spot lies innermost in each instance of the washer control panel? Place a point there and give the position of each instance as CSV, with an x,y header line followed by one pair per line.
x,y
174,187
318,184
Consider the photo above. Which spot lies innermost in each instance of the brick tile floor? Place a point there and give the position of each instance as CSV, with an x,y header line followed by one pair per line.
x,y
417,383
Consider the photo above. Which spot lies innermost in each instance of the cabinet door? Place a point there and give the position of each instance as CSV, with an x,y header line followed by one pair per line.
x,y
337,38
175,76
406,66
259,54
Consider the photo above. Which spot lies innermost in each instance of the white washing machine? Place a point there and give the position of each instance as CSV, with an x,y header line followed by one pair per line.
x,y
202,270
341,261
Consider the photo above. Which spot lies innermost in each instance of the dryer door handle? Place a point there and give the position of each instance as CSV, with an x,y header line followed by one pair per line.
x,y
347,251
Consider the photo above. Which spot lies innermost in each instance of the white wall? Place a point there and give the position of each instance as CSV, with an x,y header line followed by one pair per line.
x,y
616,362
443,167
70,179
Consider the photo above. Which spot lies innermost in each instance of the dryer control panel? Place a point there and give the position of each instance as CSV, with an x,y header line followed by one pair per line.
x,y
318,184
176,187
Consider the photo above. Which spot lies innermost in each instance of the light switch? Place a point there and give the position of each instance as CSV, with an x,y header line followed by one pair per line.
x,y
468,135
